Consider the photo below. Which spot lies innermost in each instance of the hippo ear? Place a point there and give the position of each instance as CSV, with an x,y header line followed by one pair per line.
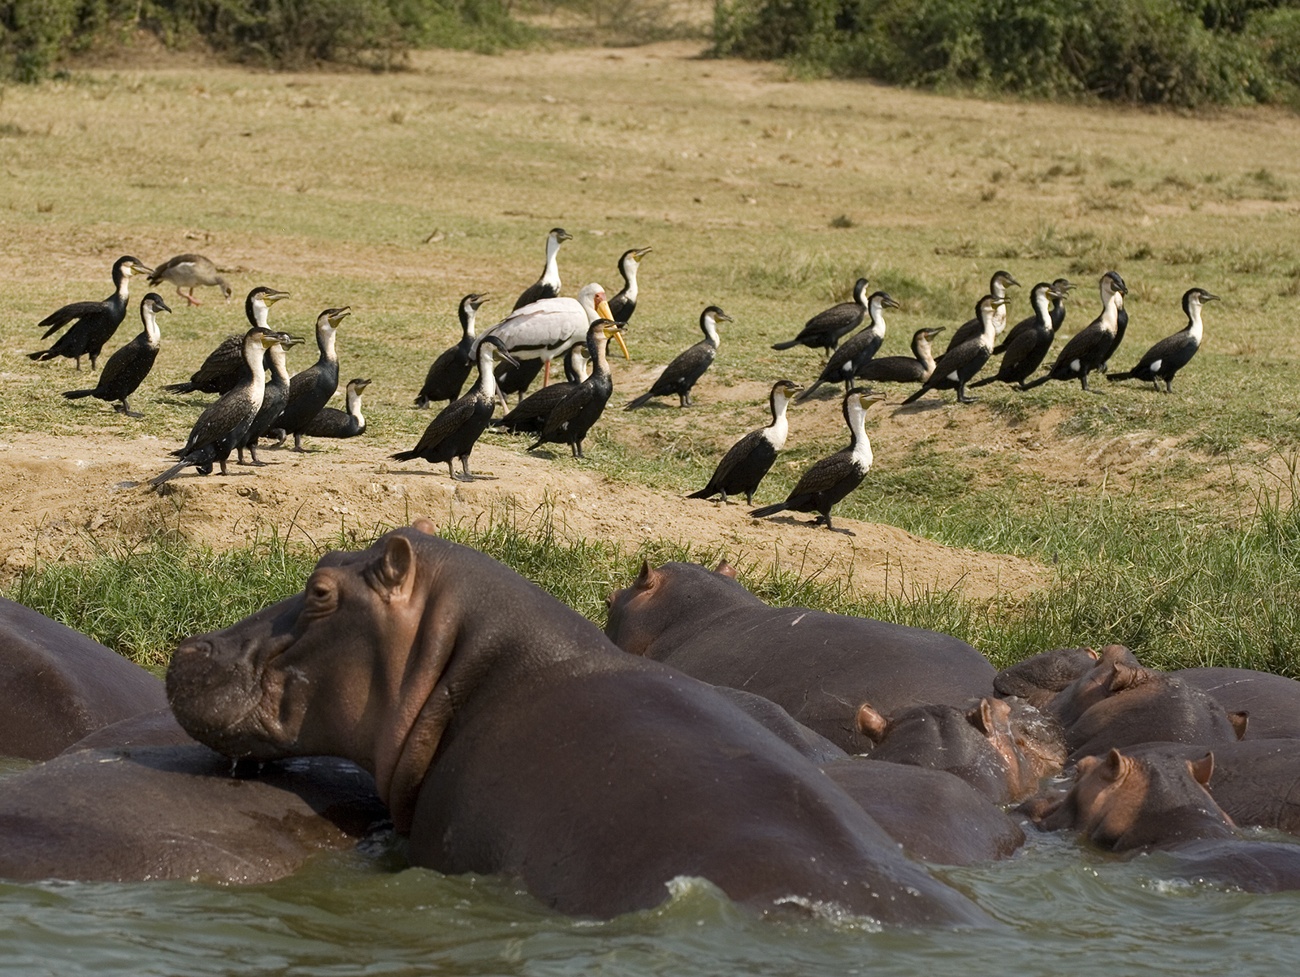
x,y
394,572
982,717
1203,769
1085,766
1092,653
425,526
648,578
726,569
1126,676
871,723
1239,721
1114,766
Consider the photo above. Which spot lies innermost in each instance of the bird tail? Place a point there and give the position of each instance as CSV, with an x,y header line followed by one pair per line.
x,y
800,398
634,404
916,396
703,493
1034,383
767,510
45,354
1126,375
180,388
75,394
788,344
170,473
404,455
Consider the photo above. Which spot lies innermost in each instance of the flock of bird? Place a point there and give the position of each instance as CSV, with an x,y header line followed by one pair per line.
x,y
544,325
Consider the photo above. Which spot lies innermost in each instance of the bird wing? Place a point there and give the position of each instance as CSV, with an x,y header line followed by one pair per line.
x,y
69,313
737,453
541,326
449,419
823,475
567,409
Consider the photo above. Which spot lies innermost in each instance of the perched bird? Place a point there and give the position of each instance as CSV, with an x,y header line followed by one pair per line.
x,y
454,432
1172,353
831,479
1088,348
223,366
826,328
450,370
1026,345
548,286
189,271
225,423
334,423
529,416
574,416
680,375
312,388
623,304
93,323
750,458
902,369
954,368
129,365
274,397
971,328
858,349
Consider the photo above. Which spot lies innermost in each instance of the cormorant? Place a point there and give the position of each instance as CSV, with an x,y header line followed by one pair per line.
x,y
826,328
1121,326
450,369
225,423
129,365
224,365
548,286
750,458
189,271
680,375
93,323
571,419
275,396
954,368
1026,345
1060,289
972,327
1172,353
903,369
312,388
1089,347
529,417
858,349
831,479
453,433
334,423
624,303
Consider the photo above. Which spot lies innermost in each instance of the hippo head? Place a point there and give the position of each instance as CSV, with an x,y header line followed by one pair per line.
x,y
660,598
1115,670
1038,678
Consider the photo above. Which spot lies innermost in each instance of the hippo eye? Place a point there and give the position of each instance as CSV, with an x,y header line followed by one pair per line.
x,y
321,596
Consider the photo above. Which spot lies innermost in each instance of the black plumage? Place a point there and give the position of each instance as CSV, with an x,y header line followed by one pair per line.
x,y
858,349
129,365
829,480
972,327
902,369
1088,348
572,418
826,329
274,397
623,304
955,368
548,286
92,323
1163,360
1027,343
190,271
681,374
334,423
749,459
223,367
529,416
450,369
312,388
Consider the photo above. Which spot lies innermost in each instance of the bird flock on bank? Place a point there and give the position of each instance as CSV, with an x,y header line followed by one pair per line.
x,y
259,399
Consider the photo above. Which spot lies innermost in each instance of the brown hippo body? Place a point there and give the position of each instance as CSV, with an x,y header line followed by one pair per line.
x,y
57,685
814,746
507,735
1038,678
1271,701
817,666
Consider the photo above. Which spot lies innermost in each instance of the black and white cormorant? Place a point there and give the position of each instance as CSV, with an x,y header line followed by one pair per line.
x,y
274,397
573,417
450,369
334,423
623,304
954,368
129,365
1121,326
189,271
223,367
548,286
1172,353
1026,344
312,388
750,458
681,374
831,479
903,369
93,323
972,327
529,416
1088,348
1060,289
454,432
225,424
825,330
858,349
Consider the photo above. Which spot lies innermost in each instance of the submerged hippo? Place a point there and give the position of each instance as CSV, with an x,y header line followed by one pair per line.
x,y
817,666
507,735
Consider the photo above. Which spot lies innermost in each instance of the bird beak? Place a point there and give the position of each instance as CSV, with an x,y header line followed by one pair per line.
x,y
340,315
602,310
867,399
640,253
1207,297
160,306
485,297
890,303
134,267
1012,281
270,298
931,333
618,338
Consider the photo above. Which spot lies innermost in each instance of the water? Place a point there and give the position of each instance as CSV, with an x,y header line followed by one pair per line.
x,y
1066,909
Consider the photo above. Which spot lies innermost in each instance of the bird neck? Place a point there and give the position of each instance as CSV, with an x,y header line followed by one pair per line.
x,y
279,369
260,311
597,348
486,378
1195,327
922,351
325,340
468,315
876,312
354,405
551,273
1110,312
989,324
628,270
150,321
861,443
710,329
1043,309
999,314
253,352
779,429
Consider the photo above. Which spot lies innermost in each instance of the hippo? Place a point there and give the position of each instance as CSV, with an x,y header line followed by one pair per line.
x,y
1271,701
1092,684
817,666
508,736
1039,677
812,745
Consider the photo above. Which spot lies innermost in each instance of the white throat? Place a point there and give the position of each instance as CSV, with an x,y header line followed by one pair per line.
x,y
862,456
551,273
777,432
711,330
151,325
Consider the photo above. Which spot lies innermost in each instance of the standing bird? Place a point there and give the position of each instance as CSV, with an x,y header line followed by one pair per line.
x,y
826,328
450,369
189,271
128,366
971,328
225,424
453,433
903,369
623,304
334,423
274,397
831,479
571,419
224,365
750,458
1027,343
954,368
680,375
93,323
858,349
529,416
1060,289
1121,327
1088,348
548,286
312,388
1172,353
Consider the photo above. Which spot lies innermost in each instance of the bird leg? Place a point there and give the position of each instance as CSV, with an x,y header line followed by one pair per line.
x,y
125,408
546,374
188,298
297,442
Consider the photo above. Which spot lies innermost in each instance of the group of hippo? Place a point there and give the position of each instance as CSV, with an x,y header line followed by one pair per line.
x,y
800,761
